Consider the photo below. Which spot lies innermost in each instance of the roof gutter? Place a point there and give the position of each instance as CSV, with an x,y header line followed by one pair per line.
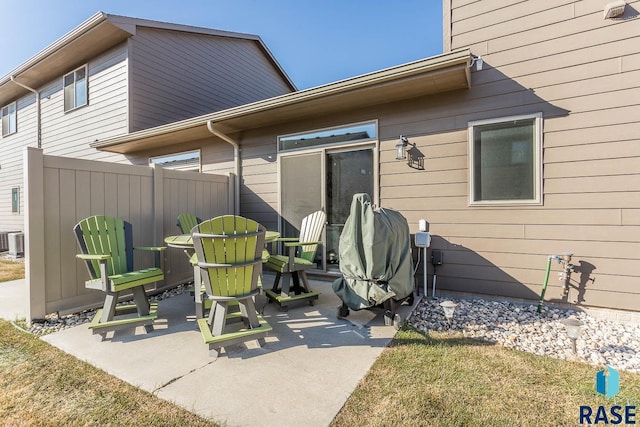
x,y
38,114
82,29
457,57
236,159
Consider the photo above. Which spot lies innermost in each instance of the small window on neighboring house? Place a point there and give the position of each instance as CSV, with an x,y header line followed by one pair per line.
x,y
75,89
505,161
15,200
185,161
9,119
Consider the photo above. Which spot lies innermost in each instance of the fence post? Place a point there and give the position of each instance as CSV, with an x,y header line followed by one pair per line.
x,y
158,204
34,234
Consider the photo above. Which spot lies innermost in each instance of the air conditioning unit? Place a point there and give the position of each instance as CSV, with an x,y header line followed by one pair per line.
x,y
4,240
16,244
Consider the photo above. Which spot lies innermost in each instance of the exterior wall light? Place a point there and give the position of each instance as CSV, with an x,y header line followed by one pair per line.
x,y
477,61
614,9
408,150
400,148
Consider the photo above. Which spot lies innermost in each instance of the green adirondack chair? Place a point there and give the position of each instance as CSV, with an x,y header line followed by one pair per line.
x,y
301,252
229,256
187,221
107,248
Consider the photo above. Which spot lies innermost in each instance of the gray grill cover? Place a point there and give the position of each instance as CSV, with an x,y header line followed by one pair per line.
x,y
375,256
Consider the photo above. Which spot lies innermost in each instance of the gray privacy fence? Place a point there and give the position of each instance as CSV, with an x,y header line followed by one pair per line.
x,y
61,191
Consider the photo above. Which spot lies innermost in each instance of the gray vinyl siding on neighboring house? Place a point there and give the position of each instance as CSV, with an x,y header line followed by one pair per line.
x,y
65,134
177,75
69,134
11,165
138,84
582,72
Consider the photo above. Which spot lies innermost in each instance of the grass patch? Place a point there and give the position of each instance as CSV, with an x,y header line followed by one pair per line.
x,y
442,379
11,270
41,385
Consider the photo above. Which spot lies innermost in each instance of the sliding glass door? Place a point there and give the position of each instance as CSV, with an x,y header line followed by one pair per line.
x,y
324,179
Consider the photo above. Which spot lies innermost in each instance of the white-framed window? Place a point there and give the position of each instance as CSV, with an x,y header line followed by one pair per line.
x,y
9,119
184,161
505,161
75,89
15,200
357,132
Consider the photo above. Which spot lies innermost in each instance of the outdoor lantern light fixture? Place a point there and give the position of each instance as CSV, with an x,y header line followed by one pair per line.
x,y
400,148
572,326
614,9
477,61
408,150
448,307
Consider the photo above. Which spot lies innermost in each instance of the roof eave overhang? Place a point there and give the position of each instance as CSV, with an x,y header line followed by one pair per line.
x,y
94,36
441,73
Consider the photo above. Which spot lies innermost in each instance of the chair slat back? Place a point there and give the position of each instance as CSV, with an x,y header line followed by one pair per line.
x,y
234,243
105,235
186,222
310,231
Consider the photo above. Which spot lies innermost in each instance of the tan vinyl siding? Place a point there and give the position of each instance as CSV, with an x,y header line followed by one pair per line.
x,y
589,94
177,75
559,57
259,194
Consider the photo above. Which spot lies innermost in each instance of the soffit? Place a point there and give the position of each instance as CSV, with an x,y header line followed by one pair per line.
x,y
61,60
430,76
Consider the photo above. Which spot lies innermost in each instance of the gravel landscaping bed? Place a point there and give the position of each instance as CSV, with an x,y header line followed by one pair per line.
x,y
521,327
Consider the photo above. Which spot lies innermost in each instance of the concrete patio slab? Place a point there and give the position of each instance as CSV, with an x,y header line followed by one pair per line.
x,y
13,295
310,364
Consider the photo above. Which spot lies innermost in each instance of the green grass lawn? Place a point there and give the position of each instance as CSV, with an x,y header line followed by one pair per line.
x,y
43,386
447,380
11,270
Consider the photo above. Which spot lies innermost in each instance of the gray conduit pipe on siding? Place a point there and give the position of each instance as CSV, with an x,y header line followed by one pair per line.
x,y
236,158
38,121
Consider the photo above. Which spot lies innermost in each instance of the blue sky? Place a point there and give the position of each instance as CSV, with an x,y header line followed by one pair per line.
x,y
316,42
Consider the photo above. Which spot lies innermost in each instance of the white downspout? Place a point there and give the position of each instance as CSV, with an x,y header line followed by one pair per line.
x,y
236,158
38,121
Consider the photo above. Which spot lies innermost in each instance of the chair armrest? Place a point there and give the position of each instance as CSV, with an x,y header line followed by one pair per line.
x,y
150,248
156,256
90,257
293,244
287,239
230,265
104,279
